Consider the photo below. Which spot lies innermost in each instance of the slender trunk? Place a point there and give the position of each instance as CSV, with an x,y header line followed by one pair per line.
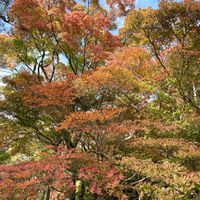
x,y
194,92
80,190
47,194
44,195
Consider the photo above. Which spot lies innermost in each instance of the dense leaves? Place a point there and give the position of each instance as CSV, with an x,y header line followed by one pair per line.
x,y
86,114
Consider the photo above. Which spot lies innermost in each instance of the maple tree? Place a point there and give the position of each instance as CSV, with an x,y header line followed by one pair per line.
x,y
88,114
171,33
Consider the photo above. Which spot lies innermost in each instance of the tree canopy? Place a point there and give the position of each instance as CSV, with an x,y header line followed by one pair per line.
x,y
86,114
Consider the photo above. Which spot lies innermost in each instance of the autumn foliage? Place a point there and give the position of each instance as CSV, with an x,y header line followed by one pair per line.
x,y
89,114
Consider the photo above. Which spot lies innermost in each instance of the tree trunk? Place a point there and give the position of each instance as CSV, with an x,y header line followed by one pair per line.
x,y
47,194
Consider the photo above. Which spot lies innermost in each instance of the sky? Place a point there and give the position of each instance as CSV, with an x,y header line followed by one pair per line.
x,y
146,3
138,4
141,3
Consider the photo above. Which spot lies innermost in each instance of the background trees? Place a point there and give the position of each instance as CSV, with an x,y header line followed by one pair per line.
x,y
170,33
90,115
